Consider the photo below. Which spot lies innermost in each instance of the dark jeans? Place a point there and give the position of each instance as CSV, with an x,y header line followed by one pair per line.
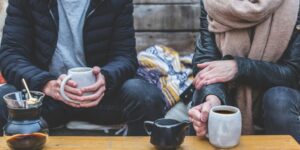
x,y
281,107
135,102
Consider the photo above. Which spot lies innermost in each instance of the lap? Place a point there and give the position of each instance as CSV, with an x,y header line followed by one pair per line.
x,y
133,93
281,97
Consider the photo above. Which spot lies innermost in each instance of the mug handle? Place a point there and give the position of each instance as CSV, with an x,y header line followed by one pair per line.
x,y
148,125
62,89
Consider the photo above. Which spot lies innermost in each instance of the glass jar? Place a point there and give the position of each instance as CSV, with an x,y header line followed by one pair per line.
x,y
25,128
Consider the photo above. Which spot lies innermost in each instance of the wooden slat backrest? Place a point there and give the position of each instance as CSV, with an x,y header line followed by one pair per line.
x,y
174,23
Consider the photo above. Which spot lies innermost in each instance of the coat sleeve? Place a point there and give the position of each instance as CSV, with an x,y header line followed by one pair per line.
x,y
285,72
122,57
16,52
206,50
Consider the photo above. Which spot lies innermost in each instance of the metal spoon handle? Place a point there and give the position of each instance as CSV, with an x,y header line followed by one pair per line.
x,y
26,87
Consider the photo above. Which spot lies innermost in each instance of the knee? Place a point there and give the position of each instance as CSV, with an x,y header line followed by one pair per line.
x,y
280,99
143,93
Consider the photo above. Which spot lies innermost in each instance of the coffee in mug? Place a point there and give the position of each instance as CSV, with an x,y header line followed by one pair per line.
x,y
224,126
83,76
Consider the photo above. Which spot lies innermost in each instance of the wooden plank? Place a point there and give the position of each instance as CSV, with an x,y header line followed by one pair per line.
x,y
167,17
281,142
183,42
165,1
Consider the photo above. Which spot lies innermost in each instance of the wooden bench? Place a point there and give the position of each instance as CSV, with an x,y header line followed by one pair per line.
x,y
174,23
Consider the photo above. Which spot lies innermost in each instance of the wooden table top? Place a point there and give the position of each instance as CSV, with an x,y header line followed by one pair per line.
x,y
142,143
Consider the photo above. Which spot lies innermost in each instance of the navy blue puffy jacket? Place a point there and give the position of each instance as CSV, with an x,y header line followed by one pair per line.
x,y
30,37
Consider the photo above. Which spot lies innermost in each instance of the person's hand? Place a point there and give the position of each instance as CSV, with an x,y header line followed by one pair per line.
x,y
198,115
215,72
97,89
52,89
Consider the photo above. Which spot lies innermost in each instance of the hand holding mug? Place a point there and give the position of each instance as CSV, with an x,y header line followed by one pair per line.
x,y
97,89
90,83
198,115
82,87
52,89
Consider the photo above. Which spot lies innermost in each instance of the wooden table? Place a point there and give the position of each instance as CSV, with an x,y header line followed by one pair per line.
x,y
142,143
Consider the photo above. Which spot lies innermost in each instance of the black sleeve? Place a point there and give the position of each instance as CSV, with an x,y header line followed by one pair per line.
x,y
122,58
285,72
17,49
206,50
266,74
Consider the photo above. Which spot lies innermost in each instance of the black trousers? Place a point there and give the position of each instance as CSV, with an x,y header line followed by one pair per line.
x,y
133,103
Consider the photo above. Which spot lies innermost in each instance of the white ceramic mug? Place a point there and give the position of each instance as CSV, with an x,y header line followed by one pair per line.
x,y
224,126
83,76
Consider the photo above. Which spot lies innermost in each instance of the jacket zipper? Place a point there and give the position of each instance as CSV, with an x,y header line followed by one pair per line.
x,y
52,16
94,9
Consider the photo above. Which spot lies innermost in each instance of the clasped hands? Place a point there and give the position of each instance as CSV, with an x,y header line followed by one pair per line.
x,y
211,72
98,89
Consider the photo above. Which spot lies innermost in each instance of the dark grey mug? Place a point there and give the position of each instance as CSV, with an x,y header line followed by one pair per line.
x,y
166,133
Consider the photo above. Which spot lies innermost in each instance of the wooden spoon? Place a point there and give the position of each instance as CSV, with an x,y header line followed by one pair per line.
x,y
31,100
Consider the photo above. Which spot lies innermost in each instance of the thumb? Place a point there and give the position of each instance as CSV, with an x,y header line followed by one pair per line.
x,y
96,70
205,111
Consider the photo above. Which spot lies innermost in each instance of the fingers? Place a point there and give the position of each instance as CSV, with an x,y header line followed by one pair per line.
x,y
203,65
96,70
92,104
215,80
72,83
199,123
200,127
200,80
61,77
58,97
201,131
72,104
199,84
197,116
205,111
69,83
197,77
196,81
208,78
93,88
73,91
206,69
94,96
199,107
74,97
194,113
70,87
